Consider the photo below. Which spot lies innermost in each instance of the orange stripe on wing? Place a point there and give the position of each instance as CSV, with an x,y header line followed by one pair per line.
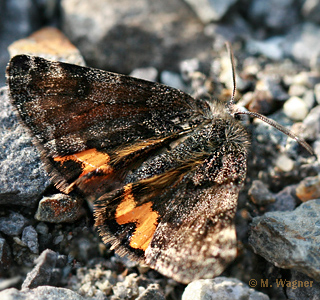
x,y
143,216
90,160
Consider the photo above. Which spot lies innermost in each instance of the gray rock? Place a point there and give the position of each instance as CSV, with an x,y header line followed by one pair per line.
x,y
40,293
271,48
290,240
284,163
42,228
30,238
212,10
267,90
302,42
306,78
59,208
13,224
41,274
22,177
315,62
285,200
221,288
274,14
123,37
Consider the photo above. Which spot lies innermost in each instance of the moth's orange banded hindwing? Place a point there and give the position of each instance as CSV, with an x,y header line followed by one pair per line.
x,y
145,218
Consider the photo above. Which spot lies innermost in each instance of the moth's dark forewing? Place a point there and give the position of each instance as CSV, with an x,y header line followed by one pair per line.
x,y
191,204
81,108
70,109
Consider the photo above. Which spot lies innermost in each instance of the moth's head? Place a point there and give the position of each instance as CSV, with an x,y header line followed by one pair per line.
x,y
236,111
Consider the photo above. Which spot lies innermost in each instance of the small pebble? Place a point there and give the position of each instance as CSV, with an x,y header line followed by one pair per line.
x,y
150,73
309,188
295,108
59,208
172,79
297,90
284,163
30,238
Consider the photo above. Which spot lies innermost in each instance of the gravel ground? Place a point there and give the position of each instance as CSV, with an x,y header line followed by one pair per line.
x,y
182,44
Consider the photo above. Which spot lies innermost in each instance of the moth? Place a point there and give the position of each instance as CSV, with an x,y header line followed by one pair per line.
x,y
162,169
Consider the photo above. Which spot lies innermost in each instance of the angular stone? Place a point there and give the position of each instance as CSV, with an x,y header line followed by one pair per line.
x,y
122,39
290,240
13,224
42,272
59,208
22,177
40,293
30,238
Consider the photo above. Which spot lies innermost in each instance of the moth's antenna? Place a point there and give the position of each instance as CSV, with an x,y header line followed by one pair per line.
x,y
233,110
231,101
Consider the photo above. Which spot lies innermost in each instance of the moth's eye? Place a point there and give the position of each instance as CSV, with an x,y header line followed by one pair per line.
x,y
237,117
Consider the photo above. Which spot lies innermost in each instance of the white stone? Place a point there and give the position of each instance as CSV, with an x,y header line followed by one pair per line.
x,y
295,108
284,163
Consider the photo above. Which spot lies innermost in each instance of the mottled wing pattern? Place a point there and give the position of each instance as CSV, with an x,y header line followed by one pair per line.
x,y
163,168
180,221
80,116
201,223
